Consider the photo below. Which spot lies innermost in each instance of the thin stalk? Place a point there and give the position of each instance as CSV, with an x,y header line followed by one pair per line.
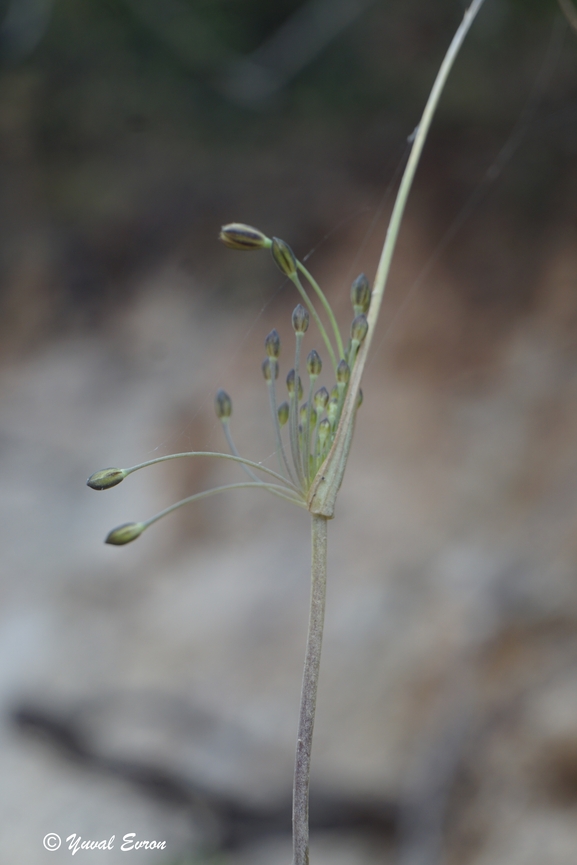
x,y
323,492
296,281
307,431
234,451
294,414
232,457
316,447
309,691
282,492
282,457
326,305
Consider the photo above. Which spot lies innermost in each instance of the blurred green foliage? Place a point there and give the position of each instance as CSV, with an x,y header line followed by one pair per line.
x,y
125,139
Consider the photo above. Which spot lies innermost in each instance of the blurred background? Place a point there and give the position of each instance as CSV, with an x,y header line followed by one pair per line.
x,y
154,689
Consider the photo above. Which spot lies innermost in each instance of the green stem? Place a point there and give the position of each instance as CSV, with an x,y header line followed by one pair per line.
x,y
309,692
323,492
234,450
272,488
235,459
307,432
326,306
281,453
294,405
296,281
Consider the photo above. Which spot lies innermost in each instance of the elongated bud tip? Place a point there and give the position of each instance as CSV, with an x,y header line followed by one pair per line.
x,y
284,257
223,405
300,319
314,364
272,344
321,398
240,236
343,372
283,413
124,534
270,368
106,478
359,328
361,294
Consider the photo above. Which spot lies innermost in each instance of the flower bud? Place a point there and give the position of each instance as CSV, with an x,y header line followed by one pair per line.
x,y
335,392
272,344
240,236
324,430
125,533
270,368
106,478
333,410
223,405
321,398
283,413
284,257
361,294
359,328
300,319
343,372
290,383
314,364
304,411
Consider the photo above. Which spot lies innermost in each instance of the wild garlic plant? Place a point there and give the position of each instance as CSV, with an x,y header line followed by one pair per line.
x,y
313,438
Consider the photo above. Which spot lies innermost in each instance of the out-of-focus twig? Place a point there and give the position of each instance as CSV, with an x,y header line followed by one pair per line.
x,y
253,80
570,12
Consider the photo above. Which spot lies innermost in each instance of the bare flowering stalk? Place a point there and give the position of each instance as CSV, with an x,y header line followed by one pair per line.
x,y
313,438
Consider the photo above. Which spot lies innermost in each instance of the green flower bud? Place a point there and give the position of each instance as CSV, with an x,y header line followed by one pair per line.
x,y
106,478
303,414
284,257
314,364
240,236
332,410
343,372
324,430
270,368
300,319
359,328
125,533
321,398
361,294
223,405
272,344
283,413
290,383
335,393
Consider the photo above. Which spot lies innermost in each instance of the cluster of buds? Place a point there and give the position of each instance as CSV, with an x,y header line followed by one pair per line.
x,y
312,425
